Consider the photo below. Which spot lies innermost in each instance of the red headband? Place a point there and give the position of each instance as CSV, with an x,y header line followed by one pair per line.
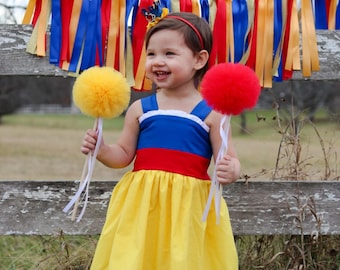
x,y
189,24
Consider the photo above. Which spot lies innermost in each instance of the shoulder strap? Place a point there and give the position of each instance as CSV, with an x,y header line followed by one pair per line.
x,y
201,110
149,103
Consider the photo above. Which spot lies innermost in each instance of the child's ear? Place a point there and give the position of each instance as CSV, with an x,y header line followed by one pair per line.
x,y
201,59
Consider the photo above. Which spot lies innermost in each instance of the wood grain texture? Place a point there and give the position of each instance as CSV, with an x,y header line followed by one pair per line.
x,y
255,208
14,58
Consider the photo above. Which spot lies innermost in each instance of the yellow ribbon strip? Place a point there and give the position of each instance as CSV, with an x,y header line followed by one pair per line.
x,y
195,7
230,46
264,44
32,42
260,41
42,27
278,53
147,84
122,52
140,69
129,61
309,45
212,13
37,42
269,39
175,6
113,34
29,12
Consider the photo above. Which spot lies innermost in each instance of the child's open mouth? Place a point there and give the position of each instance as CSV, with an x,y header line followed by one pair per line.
x,y
161,74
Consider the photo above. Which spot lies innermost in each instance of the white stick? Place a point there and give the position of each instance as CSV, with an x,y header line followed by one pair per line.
x,y
85,180
216,188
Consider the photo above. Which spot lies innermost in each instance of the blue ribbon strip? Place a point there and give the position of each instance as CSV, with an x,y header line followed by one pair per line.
x,y
55,39
337,18
320,15
205,10
78,41
167,4
132,5
92,38
240,22
278,28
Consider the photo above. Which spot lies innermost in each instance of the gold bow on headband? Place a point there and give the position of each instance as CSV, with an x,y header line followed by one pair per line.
x,y
154,13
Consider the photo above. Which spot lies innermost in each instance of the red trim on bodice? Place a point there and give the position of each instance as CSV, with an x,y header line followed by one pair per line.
x,y
172,161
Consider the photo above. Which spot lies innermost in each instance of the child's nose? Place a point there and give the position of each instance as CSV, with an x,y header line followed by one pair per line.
x,y
159,61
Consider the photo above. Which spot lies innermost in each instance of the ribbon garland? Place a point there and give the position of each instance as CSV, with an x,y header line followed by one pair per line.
x,y
262,34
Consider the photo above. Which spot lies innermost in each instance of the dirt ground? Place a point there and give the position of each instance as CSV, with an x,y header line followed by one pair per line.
x,y
33,153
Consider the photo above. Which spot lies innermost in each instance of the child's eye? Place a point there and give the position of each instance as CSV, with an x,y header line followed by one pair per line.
x,y
150,54
170,53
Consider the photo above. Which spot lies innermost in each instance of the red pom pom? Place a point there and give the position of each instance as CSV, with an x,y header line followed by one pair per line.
x,y
230,88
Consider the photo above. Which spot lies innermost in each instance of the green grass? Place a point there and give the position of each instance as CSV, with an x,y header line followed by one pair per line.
x,y
274,252
65,121
58,252
259,123
277,252
263,134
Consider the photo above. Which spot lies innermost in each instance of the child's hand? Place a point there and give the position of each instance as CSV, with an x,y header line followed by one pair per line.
x,y
89,142
227,170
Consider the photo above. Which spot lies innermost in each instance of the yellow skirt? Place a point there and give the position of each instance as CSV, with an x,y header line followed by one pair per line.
x,y
154,222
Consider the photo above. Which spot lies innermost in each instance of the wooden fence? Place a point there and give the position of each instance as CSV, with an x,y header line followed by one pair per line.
x,y
256,207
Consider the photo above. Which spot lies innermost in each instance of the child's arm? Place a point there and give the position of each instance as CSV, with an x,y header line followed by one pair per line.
x,y
228,168
121,153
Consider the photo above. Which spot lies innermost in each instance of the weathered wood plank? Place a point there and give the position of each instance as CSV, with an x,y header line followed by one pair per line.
x,y
328,43
34,207
15,60
256,207
284,207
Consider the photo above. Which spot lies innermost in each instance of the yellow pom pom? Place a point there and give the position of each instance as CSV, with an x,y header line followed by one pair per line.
x,y
101,92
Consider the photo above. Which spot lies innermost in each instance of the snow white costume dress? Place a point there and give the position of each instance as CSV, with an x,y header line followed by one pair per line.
x,y
154,219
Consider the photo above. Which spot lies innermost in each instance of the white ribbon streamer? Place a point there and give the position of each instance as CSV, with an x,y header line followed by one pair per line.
x,y
216,188
85,183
